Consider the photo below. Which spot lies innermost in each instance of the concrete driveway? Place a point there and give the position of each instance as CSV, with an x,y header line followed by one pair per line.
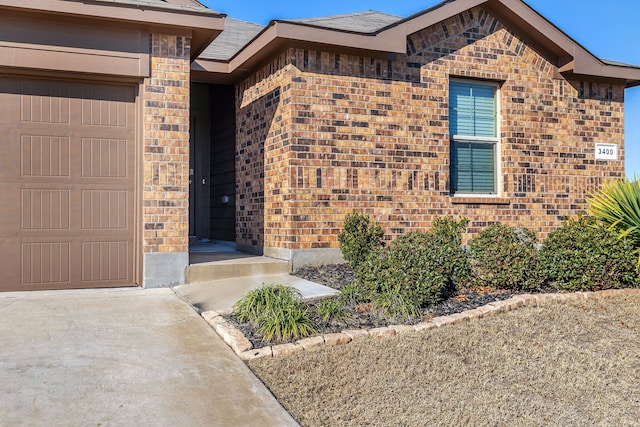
x,y
128,357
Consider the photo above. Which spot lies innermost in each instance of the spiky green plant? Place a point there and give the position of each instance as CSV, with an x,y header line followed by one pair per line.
x,y
331,309
264,298
290,321
396,305
277,311
617,205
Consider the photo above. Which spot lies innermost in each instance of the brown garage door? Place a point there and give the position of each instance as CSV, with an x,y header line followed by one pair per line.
x,y
67,184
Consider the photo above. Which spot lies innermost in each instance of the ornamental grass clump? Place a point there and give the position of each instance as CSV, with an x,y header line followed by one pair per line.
x,y
505,257
332,310
585,256
277,312
617,206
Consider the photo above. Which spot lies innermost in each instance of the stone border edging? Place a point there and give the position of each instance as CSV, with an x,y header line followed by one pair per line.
x,y
244,349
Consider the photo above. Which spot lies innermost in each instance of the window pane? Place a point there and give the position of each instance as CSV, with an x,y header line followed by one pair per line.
x,y
472,109
473,167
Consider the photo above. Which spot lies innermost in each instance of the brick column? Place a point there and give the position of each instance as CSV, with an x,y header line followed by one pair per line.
x,y
165,211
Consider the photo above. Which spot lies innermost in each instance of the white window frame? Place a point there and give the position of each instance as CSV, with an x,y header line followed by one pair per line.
x,y
497,169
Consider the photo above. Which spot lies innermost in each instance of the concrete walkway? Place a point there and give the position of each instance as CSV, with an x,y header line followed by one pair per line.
x,y
224,293
128,357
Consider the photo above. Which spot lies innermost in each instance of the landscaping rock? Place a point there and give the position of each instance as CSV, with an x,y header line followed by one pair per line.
x,y
236,340
311,343
256,353
402,329
424,326
285,349
208,315
357,334
382,332
336,339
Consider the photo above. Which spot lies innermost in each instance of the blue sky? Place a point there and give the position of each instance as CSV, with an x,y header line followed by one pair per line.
x,y
604,27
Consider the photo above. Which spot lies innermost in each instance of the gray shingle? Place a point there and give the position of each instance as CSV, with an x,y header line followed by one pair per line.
x,y
235,36
184,5
361,22
618,64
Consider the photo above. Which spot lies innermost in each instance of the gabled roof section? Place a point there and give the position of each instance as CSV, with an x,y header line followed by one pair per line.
x,y
181,16
361,22
383,35
235,36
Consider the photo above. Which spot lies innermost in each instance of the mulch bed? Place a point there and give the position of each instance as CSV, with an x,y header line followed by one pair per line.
x,y
364,317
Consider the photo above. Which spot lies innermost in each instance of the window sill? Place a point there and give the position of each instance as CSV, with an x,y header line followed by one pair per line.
x,y
480,200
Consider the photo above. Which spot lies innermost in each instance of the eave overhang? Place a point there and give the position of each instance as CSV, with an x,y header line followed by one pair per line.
x,y
201,25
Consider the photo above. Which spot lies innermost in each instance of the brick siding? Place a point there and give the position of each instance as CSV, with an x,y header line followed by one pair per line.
x,y
165,99
320,134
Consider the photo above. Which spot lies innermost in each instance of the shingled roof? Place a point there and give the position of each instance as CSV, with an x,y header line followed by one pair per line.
x,y
378,33
235,36
184,5
360,22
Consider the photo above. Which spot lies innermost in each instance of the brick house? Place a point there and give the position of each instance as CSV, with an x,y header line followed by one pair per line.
x,y
131,125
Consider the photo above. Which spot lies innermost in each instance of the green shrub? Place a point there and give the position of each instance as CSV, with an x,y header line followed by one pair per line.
x,y
359,236
451,256
407,266
332,309
505,257
277,311
582,256
617,205
396,305
424,267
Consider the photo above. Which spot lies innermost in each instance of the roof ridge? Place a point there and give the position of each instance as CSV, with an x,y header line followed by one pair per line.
x,y
343,15
244,22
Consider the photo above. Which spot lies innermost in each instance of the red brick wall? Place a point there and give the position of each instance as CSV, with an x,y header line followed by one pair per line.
x,y
263,135
165,99
354,132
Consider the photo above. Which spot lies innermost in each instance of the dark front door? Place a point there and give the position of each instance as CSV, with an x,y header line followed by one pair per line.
x,y
199,177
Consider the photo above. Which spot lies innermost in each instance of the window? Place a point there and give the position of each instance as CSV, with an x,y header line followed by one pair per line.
x,y
473,130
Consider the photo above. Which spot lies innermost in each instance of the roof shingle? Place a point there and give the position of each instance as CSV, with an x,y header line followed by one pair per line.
x,y
184,5
360,22
235,36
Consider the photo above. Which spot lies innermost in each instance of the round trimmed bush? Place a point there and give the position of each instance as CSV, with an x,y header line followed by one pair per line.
x,y
505,257
410,266
359,236
584,256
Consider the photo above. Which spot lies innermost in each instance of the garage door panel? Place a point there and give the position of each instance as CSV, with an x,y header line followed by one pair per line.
x,y
46,263
67,182
44,156
105,210
106,261
105,158
45,209
45,102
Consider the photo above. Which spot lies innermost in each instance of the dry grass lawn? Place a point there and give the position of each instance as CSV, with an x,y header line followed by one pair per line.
x,y
561,364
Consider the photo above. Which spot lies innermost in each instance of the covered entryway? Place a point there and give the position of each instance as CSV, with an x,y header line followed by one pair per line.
x,y
212,190
67,184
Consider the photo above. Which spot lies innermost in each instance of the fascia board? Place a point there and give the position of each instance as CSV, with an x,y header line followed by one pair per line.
x,y
279,33
122,13
419,22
